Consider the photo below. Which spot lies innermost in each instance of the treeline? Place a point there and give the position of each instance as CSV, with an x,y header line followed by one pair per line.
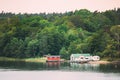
x,y
35,35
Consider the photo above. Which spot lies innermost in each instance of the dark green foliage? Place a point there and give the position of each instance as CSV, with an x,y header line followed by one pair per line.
x,y
35,35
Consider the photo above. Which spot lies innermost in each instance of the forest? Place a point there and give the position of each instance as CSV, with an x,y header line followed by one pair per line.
x,y
80,31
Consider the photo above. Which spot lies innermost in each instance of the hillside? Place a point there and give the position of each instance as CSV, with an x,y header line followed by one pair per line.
x,y
35,35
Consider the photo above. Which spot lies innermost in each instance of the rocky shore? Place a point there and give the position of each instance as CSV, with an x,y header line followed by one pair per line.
x,y
104,62
99,62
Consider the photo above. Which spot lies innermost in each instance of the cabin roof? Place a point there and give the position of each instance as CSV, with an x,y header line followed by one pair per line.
x,y
78,55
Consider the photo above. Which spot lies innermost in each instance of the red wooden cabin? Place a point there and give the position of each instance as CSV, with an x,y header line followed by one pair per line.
x,y
53,58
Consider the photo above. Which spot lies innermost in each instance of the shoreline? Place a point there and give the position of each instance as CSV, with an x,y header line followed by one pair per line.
x,y
99,62
39,59
43,60
104,62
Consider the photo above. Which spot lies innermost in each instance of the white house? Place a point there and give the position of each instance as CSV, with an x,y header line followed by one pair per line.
x,y
80,57
85,57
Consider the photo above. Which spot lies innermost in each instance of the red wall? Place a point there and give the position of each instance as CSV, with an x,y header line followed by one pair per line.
x,y
53,58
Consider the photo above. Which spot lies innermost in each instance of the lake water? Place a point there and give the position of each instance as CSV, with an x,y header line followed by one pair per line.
x,y
58,71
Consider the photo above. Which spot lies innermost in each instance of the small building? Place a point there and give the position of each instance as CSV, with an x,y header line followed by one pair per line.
x,y
80,57
53,58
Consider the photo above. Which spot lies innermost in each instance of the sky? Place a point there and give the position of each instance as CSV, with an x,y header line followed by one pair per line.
x,y
59,6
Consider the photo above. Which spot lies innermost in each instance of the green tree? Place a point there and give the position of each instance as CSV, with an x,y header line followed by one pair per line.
x,y
115,34
64,53
15,48
98,42
32,49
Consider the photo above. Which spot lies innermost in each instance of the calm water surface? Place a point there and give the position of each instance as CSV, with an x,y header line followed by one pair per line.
x,y
58,71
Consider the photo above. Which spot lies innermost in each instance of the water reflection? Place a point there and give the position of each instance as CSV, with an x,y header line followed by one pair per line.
x,y
84,67
59,71
108,68
53,65
65,66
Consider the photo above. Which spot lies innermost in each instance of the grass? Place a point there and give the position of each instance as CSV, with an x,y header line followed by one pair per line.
x,y
39,59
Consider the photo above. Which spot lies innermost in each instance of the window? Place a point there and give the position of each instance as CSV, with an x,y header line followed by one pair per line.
x,y
81,57
86,58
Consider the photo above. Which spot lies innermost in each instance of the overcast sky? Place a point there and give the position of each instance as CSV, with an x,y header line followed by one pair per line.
x,y
49,6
